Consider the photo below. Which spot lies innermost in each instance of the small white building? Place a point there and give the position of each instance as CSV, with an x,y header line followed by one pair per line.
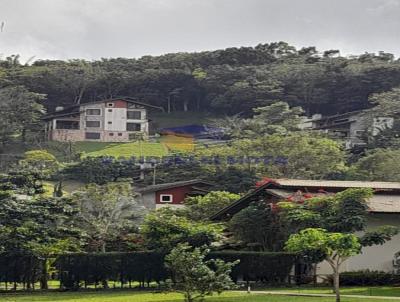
x,y
113,120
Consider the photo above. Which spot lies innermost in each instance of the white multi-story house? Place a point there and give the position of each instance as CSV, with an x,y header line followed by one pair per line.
x,y
351,127
113,120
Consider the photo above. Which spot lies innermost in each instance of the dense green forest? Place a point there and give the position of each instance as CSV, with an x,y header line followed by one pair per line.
x,y
229,81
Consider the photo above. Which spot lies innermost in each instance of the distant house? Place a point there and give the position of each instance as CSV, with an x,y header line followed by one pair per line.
x,y
113,120
171,194
352,126
384,209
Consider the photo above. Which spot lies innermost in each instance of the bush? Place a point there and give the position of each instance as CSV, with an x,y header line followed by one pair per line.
x,y
265,267
142,267
146,267
24,269
101,170
370,278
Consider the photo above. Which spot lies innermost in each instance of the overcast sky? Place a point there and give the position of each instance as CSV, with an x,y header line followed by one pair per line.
x,y
91,29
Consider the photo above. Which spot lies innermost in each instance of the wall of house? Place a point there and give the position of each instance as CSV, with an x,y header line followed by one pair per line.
x,y
179,194
378,257
66,135
113,120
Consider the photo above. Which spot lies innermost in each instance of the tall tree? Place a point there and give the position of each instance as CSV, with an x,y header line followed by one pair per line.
x,y
106,212
21,112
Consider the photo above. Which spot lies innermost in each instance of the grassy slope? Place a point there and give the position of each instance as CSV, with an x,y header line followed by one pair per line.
x,y
126,296
122,149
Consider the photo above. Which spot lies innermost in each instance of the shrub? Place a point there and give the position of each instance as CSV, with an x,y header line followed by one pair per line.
x,y
101,170
370,278
142,267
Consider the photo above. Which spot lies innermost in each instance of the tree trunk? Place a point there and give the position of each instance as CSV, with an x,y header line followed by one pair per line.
x,y
43,278
336,276
185,105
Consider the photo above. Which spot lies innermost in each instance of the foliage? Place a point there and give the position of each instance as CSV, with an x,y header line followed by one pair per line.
x,y
21,182
230,81
148,266
266,267
101,170
17,268
165,228
377,165
326,227
368,278
201,208
40,161
39,227
386,138
386,103
233,179
196,277
21,111
276,118
336,247
107,212
124,267
293,156
259,228
345,211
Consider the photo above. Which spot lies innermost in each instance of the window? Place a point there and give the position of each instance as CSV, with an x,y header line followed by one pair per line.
x,y
119,134
109,122
92,135
67,124
92,124
132,127
110,104
93,111
165,197
134,115
111,134
109,110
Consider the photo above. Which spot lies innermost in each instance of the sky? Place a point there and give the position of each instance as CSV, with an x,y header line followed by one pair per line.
x,y
93,29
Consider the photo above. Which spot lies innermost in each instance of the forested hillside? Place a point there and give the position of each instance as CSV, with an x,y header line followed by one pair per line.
x,y
230,81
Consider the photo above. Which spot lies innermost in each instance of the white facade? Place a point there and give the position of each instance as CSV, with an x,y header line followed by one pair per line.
x,y
106,121
377,257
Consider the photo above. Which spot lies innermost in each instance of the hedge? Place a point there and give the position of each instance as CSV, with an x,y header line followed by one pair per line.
x,y
78,270
271,268
370,278
22,269
142,267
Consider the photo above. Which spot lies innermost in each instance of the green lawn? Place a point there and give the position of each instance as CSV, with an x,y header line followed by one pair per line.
x,y
122,149
367,291
126,296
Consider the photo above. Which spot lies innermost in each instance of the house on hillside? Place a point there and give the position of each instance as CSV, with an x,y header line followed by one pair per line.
x,y
113,120
352,126
384,209
171,194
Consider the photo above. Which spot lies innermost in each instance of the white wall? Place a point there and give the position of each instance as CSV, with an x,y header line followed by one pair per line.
x,y
377,257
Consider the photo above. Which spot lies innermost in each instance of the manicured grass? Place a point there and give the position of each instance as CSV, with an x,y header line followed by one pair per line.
x,y
126,150
388,291
129,296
